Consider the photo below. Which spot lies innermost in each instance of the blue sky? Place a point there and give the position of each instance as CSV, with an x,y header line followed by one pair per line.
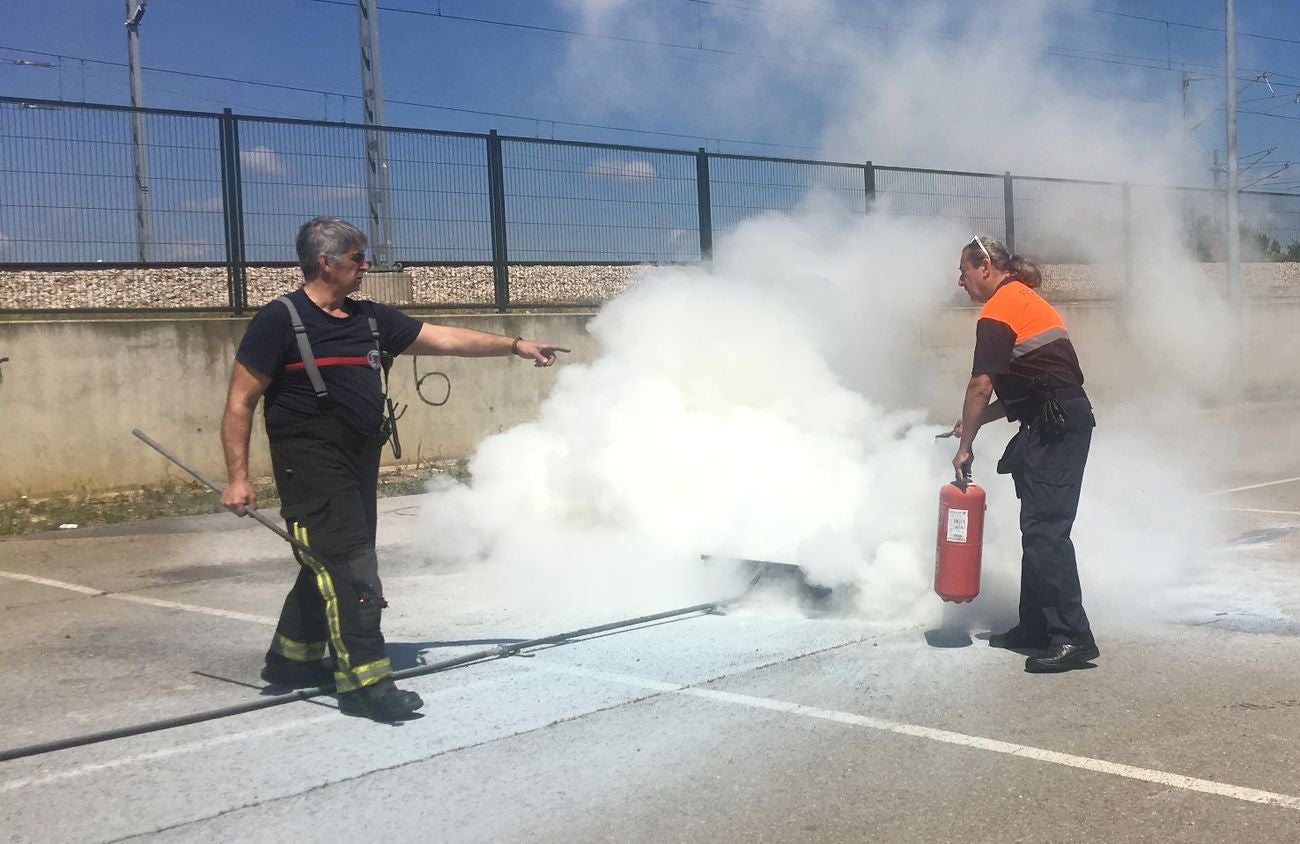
x,y
444,67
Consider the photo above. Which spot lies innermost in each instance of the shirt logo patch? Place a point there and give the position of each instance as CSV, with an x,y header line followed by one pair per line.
x,y
372,358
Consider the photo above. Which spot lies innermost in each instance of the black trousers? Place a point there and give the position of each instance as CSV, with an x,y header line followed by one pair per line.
x,y
1048,473
327,476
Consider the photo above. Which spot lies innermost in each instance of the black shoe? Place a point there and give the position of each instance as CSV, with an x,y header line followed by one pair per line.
x,y
297,675
1019,637
381,701
1062,658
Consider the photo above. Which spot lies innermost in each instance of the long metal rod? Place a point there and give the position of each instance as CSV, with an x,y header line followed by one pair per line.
x,y
212,485
496,652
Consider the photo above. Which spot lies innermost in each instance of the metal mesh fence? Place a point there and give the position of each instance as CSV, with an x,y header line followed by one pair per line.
x,y
570,203
291,172
110,207
70,194
1060,222
742,187
978,201
1273,216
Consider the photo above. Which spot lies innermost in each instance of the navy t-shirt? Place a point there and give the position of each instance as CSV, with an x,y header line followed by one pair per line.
x,y
341,346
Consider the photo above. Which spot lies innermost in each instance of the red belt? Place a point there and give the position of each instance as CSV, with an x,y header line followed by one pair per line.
x,y
361,360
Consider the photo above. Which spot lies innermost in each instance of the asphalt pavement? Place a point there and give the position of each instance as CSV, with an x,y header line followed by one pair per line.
x,y
757,723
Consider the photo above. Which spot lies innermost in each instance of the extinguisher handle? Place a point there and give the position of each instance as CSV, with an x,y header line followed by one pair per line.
x,y
965,477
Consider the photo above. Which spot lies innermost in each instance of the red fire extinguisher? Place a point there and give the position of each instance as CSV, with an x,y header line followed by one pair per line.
x,y
961,540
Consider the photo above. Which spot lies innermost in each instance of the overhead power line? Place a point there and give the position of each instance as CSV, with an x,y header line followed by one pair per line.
x,y
1121,59
1145,62
1169,22
433,106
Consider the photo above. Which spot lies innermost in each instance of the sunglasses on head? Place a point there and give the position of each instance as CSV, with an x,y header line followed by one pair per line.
x,y
975,241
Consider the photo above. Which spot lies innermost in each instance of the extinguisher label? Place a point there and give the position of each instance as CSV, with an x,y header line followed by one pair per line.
x,y
958,520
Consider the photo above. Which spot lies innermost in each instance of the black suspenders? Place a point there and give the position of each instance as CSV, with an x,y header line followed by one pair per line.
x,y
318,383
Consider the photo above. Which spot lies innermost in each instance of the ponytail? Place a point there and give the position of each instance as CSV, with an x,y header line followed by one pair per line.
x,y
1026,270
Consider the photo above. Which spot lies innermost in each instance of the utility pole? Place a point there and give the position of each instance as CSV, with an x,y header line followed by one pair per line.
x,y
1187,124
139,158
1234,230
376,139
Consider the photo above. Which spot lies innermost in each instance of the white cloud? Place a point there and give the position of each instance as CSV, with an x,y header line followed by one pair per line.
x,y
262,160
190,251
621,169
331,193
211,203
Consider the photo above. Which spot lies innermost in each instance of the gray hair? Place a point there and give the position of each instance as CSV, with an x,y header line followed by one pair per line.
x,y
1002,259
325,236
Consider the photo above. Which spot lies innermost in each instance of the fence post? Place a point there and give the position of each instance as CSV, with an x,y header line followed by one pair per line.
x,y
497,210
1010,210
232,206
705,204
1128,240
869,182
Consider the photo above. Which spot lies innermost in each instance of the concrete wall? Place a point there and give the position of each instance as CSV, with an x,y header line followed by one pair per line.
x,y
73,390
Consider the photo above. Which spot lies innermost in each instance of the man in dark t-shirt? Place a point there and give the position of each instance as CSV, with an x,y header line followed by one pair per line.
x,y
1024,354
317,356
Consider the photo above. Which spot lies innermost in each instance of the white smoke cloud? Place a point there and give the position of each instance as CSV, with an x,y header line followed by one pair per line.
x,y
713,423
771,406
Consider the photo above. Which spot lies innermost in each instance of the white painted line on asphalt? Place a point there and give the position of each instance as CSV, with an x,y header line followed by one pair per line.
x,y
140,599
1252,486
1257,510
173,605
57,584
1250,795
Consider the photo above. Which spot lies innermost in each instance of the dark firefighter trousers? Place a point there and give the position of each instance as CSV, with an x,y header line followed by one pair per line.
x,y
327,476
1048,473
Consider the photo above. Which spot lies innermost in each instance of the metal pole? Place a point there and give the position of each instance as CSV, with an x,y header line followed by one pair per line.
x,y
376,138
139,159
497,215
232,202
228,206
1128,239
1009,208
704,203
869,182
1233,229
1187,123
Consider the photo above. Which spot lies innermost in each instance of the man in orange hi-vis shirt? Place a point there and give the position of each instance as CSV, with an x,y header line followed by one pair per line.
x,y
1023,353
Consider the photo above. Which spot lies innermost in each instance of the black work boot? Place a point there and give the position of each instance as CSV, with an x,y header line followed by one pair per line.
x,y
381,701
282,671
1064,657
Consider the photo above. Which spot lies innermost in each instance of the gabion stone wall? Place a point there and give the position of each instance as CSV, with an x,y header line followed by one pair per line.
x,y
545,285
443,286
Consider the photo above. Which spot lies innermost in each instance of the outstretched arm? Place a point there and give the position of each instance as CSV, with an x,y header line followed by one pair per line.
x,y
472,343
